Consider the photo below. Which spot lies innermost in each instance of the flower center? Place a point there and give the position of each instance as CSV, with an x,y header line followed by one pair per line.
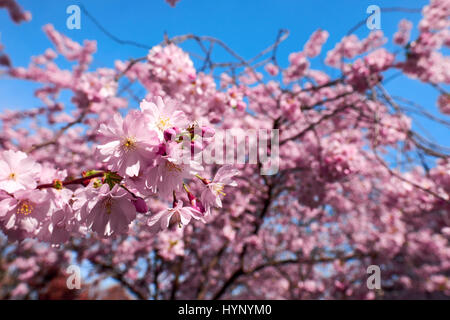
x,y
172,243
129,144
172,167
25,208
12,176
163,123
218,189
108,85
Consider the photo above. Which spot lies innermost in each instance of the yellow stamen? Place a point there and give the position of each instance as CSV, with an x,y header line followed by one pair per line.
x,y
25,208
163,123
172,243
12,176
129,144
171,167
218,189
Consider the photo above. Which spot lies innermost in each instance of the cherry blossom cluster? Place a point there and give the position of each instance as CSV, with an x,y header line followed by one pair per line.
x,y
148,152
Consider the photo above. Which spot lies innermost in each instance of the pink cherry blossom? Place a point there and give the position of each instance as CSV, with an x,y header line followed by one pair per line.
x,y
128,143
214,189
271,69
177,215
160,116
314,45
444,103
24,212
401,37
17,171
59,227
171,169
170,244
108,212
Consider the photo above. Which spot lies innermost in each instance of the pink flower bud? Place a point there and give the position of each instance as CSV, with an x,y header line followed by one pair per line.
x,y
241,105
195,203
208,132
169,134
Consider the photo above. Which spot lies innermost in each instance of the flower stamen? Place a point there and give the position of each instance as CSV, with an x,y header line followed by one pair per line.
x,y
218,189
171,167
25,208
163,123
129,144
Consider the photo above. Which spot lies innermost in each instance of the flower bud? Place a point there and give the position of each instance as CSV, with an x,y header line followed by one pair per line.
x,y
169,134
197,205
207,132
241,106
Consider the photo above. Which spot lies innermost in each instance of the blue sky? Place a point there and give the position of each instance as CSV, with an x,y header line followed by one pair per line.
x,y
247,26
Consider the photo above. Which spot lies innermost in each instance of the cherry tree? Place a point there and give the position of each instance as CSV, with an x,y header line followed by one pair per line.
x,y
116,183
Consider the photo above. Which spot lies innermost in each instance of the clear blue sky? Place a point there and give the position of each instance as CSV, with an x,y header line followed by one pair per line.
x,y
247,26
